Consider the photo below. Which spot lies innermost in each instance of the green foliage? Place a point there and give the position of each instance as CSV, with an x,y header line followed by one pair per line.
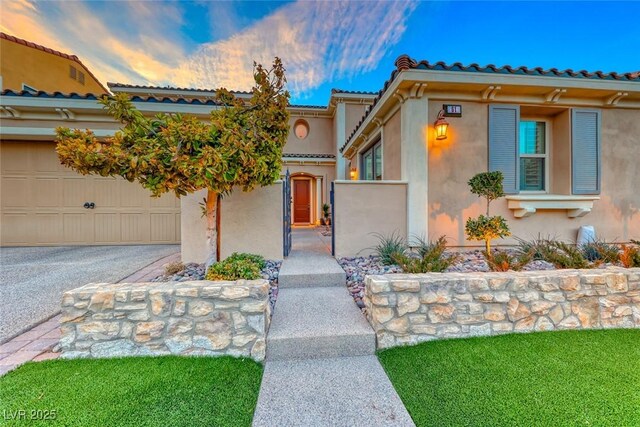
x,y
325,210
487,185
600,252
389,246
503,261
487,228
237,266
431,256
538,247
564,255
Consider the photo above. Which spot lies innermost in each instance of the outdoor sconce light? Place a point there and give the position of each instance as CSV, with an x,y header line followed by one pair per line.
x,y
441,126
353,173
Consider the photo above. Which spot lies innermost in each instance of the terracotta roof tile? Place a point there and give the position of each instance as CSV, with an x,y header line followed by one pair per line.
x,y
353,92
51,51
150,87
309,156
405,62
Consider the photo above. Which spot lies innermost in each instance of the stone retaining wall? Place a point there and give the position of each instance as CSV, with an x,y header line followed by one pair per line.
x,y
407,309
186,318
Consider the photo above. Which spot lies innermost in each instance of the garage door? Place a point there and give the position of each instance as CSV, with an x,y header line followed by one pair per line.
x,y
42,203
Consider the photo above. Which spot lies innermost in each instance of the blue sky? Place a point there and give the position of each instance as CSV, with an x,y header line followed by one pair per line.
x,y
348,45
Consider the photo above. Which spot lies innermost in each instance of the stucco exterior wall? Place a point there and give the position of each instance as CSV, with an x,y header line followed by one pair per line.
x,y
616,216
363,208
41,70
318,141
249,222
353,114
391,148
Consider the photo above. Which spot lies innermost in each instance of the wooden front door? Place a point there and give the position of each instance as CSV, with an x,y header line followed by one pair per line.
x,y
301,201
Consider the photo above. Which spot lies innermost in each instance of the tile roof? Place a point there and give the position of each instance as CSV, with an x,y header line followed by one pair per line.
x,y
150,87
353,92
309,156
51,51
43,94
405,62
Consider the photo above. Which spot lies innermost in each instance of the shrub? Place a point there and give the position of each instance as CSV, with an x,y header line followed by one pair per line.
x,y
389,246
431,257
600,252
173,268
237,266
537,247
487,228
503,261
564,255
630,255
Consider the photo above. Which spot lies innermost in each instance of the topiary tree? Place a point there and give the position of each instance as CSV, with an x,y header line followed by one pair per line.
x,y
240,146
487,228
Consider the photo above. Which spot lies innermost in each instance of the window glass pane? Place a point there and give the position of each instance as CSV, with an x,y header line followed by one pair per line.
x,y
377,154
368,166
532,137
532,174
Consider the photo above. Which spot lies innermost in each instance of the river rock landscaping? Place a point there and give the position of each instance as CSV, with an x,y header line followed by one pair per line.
x,y
195,271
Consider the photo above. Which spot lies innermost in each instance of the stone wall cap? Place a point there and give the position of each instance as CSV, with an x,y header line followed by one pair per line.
x,y
147,286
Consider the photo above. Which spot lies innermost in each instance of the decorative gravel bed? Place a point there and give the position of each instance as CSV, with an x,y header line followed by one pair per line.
x,y
194,271
359,267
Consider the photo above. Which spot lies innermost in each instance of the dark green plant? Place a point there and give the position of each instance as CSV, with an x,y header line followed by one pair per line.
x,y
431,257
538,246
325,210
503,261
487,228
564,255
600,252
237,266
388,246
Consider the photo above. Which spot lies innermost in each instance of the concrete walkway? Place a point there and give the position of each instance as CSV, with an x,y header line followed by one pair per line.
x,y
321,368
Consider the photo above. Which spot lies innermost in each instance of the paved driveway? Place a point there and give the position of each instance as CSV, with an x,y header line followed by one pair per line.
x,y
32,280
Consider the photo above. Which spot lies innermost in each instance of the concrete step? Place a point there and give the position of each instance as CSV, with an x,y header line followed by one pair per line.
x,y
346,391
302,270
318,322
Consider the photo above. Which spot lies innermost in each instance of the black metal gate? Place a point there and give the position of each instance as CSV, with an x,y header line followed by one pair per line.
x,y
333,221
286,214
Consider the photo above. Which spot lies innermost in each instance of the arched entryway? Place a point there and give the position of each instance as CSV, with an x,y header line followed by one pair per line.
x,y
306,199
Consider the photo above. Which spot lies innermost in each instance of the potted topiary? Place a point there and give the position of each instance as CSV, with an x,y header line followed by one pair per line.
x,y
325,214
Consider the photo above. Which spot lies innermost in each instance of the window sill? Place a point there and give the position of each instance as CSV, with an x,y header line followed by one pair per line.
x,y
524,205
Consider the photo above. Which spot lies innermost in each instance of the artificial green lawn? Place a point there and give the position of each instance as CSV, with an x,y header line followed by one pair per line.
x,y
145,391
569,378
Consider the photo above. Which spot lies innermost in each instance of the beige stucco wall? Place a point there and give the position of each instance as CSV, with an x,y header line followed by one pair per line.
x,y
353,115
391,148
464,153
250,222
363,208
318,141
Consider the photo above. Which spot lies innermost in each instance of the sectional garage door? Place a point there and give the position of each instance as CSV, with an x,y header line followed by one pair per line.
x,y
42,203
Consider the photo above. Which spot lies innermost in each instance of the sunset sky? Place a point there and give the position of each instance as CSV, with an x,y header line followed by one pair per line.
x,y
349,45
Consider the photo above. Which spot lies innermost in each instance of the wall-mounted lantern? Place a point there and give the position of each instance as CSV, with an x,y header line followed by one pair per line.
x,y
441,126
353,173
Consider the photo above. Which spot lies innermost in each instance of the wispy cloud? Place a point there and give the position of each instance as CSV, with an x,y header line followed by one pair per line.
x,y
142,42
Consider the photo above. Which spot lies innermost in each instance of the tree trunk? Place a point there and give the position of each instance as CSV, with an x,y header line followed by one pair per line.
x,y
212,229
487,245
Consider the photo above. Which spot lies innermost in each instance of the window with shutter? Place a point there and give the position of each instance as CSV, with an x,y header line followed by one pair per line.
x,y
585,151
504,123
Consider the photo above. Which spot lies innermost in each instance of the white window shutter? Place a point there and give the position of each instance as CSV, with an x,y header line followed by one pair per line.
x,y
585,151
504,124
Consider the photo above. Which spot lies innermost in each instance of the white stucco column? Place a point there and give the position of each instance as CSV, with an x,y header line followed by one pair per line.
x,y
414,159
340,120
318,199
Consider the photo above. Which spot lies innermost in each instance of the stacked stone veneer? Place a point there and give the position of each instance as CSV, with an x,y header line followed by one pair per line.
x,y
186,318
406,309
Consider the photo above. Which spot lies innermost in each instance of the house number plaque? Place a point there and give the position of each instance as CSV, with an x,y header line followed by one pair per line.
x,y
452,110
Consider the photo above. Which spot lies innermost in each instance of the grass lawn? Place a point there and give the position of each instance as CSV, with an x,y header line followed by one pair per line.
x,y
145,391
568,378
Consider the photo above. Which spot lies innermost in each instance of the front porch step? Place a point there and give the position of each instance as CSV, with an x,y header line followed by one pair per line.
x,y
318,322
346,391
318,270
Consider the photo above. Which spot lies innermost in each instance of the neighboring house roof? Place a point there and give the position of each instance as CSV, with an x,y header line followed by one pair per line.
x,y
113,85
309,156
405,62
52,52
43,94
353,92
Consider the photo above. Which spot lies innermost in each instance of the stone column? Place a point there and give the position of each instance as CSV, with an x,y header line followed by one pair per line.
x,y
414,157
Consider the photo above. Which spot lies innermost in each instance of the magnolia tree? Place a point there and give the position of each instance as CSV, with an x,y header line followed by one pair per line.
x,y
240,146
485,227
